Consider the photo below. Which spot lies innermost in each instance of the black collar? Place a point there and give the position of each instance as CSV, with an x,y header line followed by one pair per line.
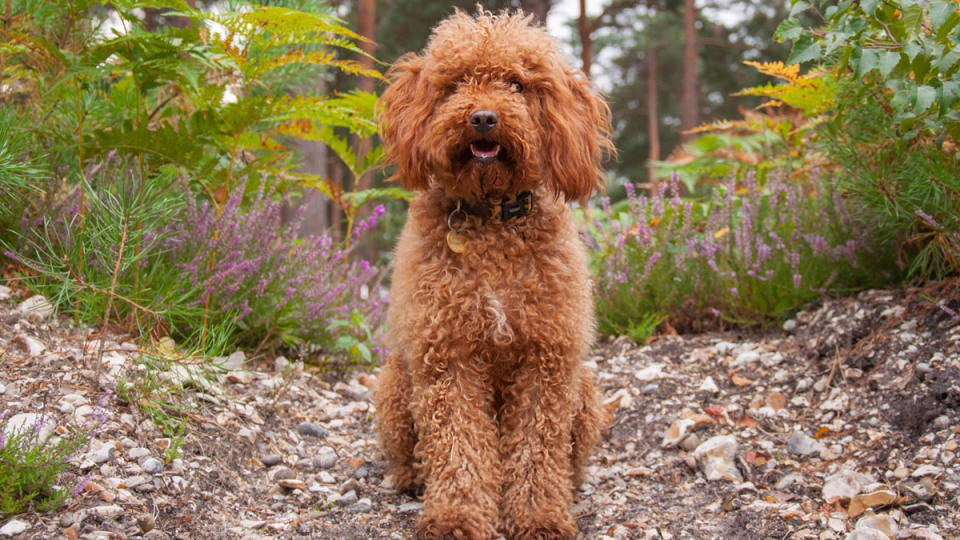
x,y
498,212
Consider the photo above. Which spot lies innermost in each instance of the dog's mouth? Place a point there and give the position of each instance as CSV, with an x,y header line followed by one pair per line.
x,y
485,151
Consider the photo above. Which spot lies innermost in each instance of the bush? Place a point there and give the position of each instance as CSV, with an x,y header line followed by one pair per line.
x,y
32,459
172,154
747,256
894,128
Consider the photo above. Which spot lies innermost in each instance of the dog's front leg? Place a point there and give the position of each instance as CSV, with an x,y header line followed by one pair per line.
x,y
535,448
457,449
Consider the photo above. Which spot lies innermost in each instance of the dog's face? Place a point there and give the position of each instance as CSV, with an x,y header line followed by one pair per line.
x,y
489,109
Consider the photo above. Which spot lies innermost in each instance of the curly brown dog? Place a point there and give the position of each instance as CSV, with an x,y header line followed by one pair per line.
x,y
484,402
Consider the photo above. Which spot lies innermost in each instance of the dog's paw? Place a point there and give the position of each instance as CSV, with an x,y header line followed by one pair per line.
x,y
451,525
547,528
403,480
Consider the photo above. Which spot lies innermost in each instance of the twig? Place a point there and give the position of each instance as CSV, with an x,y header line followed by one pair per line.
x,y
110,296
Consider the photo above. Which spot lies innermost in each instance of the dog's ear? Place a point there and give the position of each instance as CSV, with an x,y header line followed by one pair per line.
x,y
577,124
402,115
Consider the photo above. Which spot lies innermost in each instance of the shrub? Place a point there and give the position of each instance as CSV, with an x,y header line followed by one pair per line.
x,y
745,256
893,131
275,286
32,459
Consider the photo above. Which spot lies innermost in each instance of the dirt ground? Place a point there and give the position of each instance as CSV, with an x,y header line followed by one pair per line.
x,y
843,422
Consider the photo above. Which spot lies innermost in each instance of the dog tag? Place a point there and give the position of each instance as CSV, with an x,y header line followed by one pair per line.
x,y
456,242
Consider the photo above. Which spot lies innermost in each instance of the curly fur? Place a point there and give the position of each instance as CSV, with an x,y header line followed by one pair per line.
x,y
484,402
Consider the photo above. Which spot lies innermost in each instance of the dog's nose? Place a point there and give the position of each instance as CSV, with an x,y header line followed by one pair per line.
x,y
483,120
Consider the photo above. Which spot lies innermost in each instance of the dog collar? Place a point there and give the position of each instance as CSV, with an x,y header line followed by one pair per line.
x,y
485,210
497,212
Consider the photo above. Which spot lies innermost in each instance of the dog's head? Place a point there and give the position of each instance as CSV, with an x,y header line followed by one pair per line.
x,y
490,109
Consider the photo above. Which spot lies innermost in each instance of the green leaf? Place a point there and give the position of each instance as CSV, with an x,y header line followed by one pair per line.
x,y
940,11
789,29
805,49
797,8
912,19
868,61
926,95
869,6
948,94
912,49
886,61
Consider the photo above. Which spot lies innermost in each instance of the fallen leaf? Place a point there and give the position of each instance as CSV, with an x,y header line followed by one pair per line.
x,y
739,380
776,400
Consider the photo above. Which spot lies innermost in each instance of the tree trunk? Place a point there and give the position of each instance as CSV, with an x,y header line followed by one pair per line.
x,y
653,117
586,40
688,95
366,27
537,8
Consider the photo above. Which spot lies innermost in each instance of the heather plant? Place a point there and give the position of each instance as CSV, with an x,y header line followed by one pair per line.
x,y
746,257
34,457
893,128
276,287
171,147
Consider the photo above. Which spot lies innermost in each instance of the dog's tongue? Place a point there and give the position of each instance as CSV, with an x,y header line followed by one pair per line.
x,y
485,149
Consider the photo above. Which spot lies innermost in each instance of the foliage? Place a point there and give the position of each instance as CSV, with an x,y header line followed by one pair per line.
x,y
149,129
893,130
621,44
32,460
275,286
747,256
776,136
18,172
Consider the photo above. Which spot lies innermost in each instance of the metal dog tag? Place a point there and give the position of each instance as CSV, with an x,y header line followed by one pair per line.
x,y
456,241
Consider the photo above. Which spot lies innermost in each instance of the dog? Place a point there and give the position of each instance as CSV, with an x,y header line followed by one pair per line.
x,y
484,403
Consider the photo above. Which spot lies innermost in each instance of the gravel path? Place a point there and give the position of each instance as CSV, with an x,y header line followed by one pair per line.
x,y
845,423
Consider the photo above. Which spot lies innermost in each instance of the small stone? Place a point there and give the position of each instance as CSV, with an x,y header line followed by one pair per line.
x,y
240,377
29,345
716,458
235,361
860,503
746,357
676,432
926,470
14,527
350,485
651,372
146,522
410,507
311,429
151,465
271,459
36,306
363,505
740,380
137,453
346,499
326,478
26,424
361,472
292,483
789,325
70,533
802,444
4,292
281,472
708,385
326,458
843,485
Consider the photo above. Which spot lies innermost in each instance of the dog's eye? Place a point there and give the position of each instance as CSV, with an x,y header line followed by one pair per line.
x,y
516,86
